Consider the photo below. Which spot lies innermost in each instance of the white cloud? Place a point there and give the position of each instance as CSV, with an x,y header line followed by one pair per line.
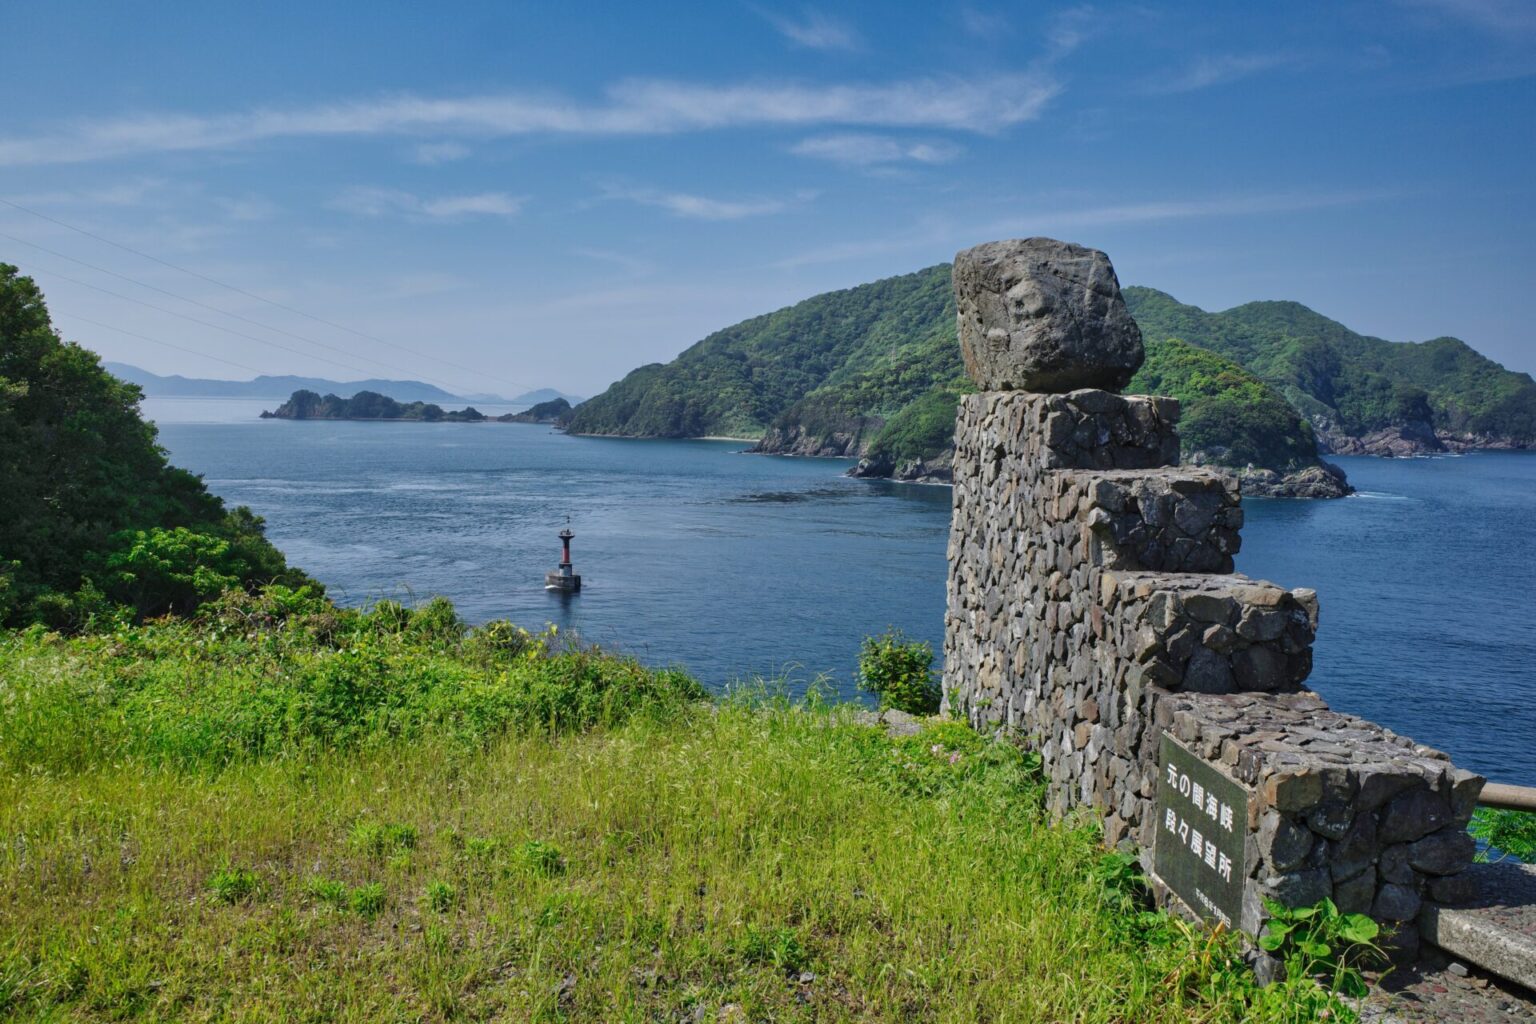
x,y
366,201
497,204
1218,70
637,107
815,30
1493,15
696,207
430,153
858,150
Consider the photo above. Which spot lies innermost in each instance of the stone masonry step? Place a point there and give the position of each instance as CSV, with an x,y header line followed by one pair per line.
x,y
1494,929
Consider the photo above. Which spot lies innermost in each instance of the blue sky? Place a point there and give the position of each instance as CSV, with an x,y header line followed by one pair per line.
x,y
505,194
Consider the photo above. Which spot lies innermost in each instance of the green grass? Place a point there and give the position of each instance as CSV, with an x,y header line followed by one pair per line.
x,y
677,860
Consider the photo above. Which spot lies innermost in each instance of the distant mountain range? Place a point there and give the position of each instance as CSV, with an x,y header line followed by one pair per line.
x,y
280,387
874,371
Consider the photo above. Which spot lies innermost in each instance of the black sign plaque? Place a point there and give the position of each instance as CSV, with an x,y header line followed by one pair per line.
x,y
1201,832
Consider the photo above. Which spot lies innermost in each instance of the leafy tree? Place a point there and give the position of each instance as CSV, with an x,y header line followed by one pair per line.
x,y
78,467
158,571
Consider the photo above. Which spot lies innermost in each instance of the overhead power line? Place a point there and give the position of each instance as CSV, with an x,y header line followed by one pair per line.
x,y
252,295
167,344
222,312
206,323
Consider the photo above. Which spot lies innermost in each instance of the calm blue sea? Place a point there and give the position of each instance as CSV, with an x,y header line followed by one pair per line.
x,y
740,565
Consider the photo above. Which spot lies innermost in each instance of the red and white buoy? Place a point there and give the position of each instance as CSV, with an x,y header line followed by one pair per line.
x,y
564,578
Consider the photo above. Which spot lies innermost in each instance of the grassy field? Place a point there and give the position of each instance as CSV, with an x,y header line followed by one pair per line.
x,y
285,812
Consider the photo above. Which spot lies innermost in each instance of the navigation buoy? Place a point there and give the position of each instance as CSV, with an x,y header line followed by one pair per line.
x,y
564,578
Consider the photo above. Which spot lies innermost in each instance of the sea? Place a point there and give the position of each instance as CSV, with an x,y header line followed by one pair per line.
x,y
746,568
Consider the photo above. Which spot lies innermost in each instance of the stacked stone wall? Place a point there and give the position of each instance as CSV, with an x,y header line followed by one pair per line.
x,y
1092,608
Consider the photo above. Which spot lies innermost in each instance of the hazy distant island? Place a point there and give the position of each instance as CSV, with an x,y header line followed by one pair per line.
x,y
873,372
155,385
370,405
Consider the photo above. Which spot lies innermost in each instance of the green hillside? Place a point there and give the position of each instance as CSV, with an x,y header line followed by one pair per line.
x,y
878,346
1228,412
1351,384
875,370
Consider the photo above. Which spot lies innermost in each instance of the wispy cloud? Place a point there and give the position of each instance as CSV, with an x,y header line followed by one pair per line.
x,y
422,284
366,201
938,234
813,30
1068,30
1160,210
1218,69
697,207
859,150
430,153
134,193
637,266
637,107
984,23
247,208
1493,15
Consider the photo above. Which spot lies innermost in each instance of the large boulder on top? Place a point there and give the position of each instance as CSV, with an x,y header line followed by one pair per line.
x,y
1041,315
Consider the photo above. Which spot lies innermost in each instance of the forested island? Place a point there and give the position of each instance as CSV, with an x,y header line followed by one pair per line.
x,y
370,405
367,405
873,372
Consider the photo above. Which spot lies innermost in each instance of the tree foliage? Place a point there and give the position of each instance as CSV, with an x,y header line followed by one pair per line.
x,y
91,513
879,345
880,364
367,405
1347,381
1230,416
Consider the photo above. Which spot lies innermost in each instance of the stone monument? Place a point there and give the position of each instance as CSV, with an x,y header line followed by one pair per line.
x,y
1093,613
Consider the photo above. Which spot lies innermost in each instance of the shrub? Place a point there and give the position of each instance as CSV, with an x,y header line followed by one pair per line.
x,y
437,620
900,672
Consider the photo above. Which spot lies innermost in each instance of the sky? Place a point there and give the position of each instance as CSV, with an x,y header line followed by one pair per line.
x,y
500,196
